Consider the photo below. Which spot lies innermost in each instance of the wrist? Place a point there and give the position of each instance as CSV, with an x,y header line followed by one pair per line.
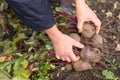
x,y
53,33
80,4
80,7
79,1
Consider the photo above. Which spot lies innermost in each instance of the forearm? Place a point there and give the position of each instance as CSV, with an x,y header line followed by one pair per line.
x,y
53,33
79,1
84,13
79,4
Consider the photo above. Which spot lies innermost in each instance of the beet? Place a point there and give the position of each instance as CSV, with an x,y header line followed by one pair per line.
x,y
90,54
97,40
88,30
81,65
75,36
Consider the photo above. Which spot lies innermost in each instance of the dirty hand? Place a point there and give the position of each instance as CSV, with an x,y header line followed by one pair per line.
x,y
63,45
84,13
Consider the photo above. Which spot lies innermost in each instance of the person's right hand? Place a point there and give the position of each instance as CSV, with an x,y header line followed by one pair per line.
x,y
63,45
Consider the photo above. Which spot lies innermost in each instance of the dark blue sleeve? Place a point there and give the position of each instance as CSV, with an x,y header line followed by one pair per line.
x,y
36,14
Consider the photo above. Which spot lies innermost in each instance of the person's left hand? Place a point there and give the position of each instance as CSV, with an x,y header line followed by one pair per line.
x,y
84,13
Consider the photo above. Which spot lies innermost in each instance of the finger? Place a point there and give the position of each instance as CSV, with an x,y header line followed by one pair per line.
x,y
97,23
77,44
74,57
68,59
63,59
80,26
98,27
57,57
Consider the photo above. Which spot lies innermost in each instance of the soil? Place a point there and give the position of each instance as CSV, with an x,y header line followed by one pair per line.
x,y
110,30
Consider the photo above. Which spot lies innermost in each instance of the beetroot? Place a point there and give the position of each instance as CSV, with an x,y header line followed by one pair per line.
x,y
88,30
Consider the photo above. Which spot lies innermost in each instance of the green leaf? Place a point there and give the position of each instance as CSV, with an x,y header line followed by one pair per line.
x,y
9,50
6,66
90,2
108,74
19,78
7,47
18,37
40,56
44,68
4,76
24,63
6,43
17,65
9,68
48,47
20,68
44,78
3,5
52,66
23,73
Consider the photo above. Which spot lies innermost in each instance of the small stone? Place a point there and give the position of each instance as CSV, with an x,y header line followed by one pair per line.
x,y
109,14
58,74
114,37
115,5
118,47
118,16
102,10
62,68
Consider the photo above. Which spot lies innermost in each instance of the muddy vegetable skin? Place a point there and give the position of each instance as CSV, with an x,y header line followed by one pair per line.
x,y
90,54
87,54
81,65
75,36
88,30
97,40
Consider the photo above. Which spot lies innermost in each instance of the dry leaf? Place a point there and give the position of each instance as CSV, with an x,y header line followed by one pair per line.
x,y
5,58
118,47
118,16
109,14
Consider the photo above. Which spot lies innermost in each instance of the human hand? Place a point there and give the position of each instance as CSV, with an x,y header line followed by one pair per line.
x,y
64,48
84,13
63,45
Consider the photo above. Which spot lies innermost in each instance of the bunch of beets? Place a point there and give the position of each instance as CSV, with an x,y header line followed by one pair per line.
x,y
91,53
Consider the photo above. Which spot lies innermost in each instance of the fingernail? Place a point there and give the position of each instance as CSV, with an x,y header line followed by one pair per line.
x,y
96,32
78,57
82,46
79,31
